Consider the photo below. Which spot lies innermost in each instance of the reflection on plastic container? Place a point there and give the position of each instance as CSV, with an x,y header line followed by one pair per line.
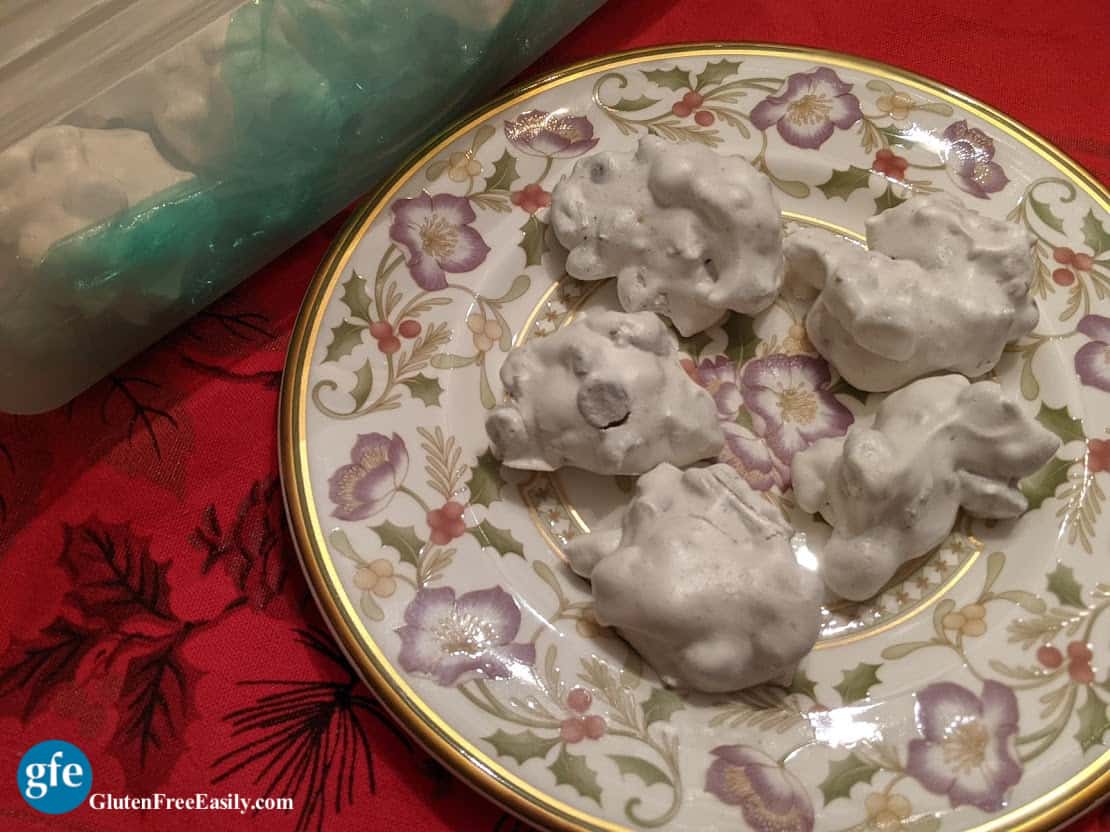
x,y
226,140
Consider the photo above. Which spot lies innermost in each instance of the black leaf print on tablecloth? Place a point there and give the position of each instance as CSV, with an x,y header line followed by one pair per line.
x,y
307,739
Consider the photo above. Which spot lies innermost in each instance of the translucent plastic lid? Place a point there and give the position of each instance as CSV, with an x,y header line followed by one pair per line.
x,y
55,55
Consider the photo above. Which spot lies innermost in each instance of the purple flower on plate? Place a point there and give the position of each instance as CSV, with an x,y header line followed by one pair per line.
x,y
770,797
744,452
556,135
968,156
1092,362
968,748
718,375
752,459
445,637
378,467
435,231
811,106
790,403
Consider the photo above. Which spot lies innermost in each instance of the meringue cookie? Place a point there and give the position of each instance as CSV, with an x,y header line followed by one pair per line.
x,y
606,394
941,289
891,490
688,233
702,580
62,179
179,97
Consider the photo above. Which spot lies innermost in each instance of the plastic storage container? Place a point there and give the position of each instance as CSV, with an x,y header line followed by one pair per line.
x,y
153,153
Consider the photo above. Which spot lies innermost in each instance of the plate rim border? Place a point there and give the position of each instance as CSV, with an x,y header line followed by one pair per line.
x,y
476,768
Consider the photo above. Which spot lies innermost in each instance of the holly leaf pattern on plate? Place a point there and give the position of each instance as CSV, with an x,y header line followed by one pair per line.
x,y
1092,721
485,481
1060,422
501,540
523,746
674,78
402,538
574,770
844,183
650,773
428,390
857,682
1062,584
660,705
843,774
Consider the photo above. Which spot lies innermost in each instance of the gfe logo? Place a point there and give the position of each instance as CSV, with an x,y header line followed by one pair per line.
x,y
55,777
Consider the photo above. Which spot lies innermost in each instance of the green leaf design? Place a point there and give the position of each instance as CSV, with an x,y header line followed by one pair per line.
x,y
402,538
485,481
521,747
857,682
534,241
661,705
428,390
1026,600
573,770
1044,213
742,340
1094,235
844,183
364,383
672,79
887,199
447,361
344,338
1092,721
843,387
435,170
715,72
370,607
1042,485
896,137
519,286
632,105
504,173
502,540
355,296
650,773
342,544
1062,584
1060,422
801,683
843,774
900,651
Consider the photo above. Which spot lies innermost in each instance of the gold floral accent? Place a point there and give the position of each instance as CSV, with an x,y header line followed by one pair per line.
x,y
885,812
971,620
897,105
376,577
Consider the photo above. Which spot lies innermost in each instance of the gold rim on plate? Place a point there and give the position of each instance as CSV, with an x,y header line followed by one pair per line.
x,y
468,762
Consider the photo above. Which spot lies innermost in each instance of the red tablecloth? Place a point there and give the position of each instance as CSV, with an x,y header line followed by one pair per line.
x,y
151,609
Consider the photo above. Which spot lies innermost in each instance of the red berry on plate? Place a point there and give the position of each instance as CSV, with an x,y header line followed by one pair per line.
x,y
455,528
573,729
886,154
681,109
452,510
704,118
579,700
435,519
389,345
1083,262
1050,656
1079,651
1063,254
409,328
1063,277
440,537
381,329
1081,672
693,100
595,727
